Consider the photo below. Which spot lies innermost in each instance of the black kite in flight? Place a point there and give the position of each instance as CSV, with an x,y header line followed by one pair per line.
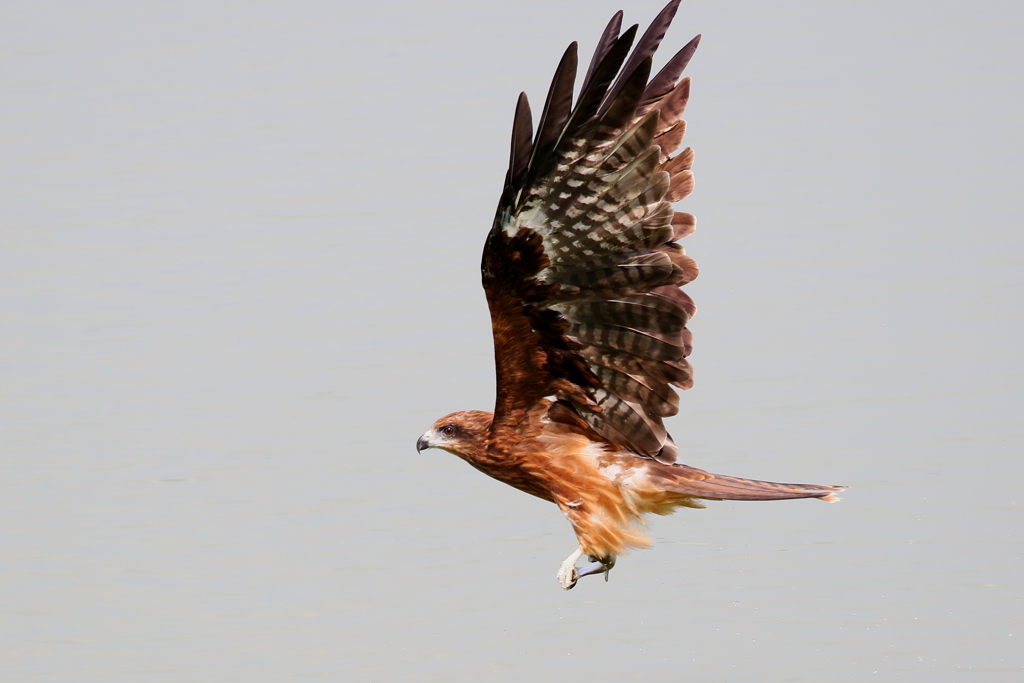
x,y
583,273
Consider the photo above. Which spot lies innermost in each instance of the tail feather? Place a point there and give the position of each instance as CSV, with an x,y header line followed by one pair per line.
x,y
695,483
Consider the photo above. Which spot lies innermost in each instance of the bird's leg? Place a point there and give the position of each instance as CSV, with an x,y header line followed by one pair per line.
x,y
598,565
567,574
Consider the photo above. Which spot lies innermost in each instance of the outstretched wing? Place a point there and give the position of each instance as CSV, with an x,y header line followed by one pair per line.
x,y
581,267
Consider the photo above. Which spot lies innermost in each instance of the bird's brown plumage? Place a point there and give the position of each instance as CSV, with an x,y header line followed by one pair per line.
x,y
582,270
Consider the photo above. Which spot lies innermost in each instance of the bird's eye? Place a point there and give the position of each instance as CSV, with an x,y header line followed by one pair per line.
x,y
448,430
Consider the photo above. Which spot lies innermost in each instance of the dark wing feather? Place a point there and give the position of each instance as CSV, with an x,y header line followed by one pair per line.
x,y
581,267
608,39
665,81
522,143
557,108
647,46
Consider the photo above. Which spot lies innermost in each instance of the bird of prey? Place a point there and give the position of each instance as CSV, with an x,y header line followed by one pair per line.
x,y
582,272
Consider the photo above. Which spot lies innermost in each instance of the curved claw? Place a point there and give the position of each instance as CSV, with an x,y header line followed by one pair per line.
x,y
592,568
598,565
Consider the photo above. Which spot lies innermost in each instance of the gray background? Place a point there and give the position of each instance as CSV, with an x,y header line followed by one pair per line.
x,y
239,245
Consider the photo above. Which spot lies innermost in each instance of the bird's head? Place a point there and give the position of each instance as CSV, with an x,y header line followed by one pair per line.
x,y
463,434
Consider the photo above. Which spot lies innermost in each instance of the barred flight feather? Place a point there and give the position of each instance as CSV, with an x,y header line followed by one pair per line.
x,y
626,423
628,340
671,138
632,143
681,187
671,107
683,225
657,404
635,314
680,162
682,261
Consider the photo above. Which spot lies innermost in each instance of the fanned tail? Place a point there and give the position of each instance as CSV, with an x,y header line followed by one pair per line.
x,y
694,483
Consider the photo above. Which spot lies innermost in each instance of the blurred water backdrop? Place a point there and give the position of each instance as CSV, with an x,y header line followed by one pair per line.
x,y
239,248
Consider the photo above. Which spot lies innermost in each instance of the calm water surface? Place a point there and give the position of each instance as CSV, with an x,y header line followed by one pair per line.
x,y
238,278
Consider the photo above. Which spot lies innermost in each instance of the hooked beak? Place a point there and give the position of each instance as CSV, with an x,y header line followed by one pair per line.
x,y
423,442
